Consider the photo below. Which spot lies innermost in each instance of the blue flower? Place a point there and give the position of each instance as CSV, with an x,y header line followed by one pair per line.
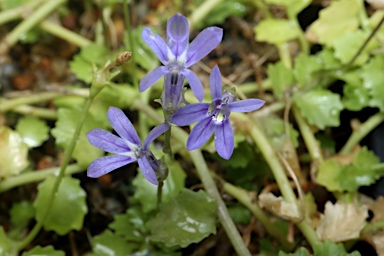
x,y
127,148
214,117
177,56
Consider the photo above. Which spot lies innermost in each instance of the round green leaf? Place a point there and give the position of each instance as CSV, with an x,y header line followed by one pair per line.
x,y
187,218
276,31
68,208
110,244
46,251
32,130
320,107
21,213
13,152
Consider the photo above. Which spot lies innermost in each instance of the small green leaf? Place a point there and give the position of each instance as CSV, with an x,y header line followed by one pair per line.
x,y
320,107
21,213
146,193
293,7
328,248
6,246
305,66
299,252
355,98
43,251
66,124
109,244
69,196
32,130
239,214
327,58
373,80
13,153
276,31
335,20
337,177
346,45
187,218
281,78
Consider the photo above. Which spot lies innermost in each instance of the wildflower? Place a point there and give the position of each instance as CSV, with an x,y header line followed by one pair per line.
x,y
127,148
214,117
177,56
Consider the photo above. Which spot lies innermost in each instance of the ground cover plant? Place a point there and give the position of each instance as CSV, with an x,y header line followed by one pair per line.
x,y
191,127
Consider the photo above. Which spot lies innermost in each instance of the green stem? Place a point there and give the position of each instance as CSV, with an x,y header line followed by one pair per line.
x,y
202,11
285,55
248,201
159,193
36,17
7,105
18,12
207,180
362,131
35,176
65,34
167,143
278,172
67,158
309,139
49,114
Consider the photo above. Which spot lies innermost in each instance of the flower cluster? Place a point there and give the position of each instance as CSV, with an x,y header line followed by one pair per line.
x,y
176,55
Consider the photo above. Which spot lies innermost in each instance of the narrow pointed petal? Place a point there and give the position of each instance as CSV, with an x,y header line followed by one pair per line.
x,y
224,140
178,34
107,141
215,83
203,44
246,105
122,125
154,133
106,164
152,77
190,114
194,82
200,133
157,44
147,170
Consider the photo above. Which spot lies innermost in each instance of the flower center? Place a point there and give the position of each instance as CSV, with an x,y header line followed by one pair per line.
x,y
219,109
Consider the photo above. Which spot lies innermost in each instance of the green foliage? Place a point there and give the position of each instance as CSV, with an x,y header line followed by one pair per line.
x,y
281,78
32,130
146,193
13,153
65,126
239,213
187,218
299,252
355,97
21,213
293,7
361,172
276,31
6,246
330,248
373,80
320,107
305,67
69,196
110,244
46,251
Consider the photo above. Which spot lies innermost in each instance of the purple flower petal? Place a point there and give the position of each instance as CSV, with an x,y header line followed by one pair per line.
x,y
106,164
195,84
152,77
203,44
147,170
122,125
200,133
154,133
246,105
215,83
107,141
190,114
224,141
178,34
157,44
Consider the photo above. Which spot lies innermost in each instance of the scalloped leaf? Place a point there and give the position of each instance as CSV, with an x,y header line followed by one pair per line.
x,y
320,107
305,67
373,80
32,130
187,218
281,78
110,244
70,195
46,251
276,31
328,248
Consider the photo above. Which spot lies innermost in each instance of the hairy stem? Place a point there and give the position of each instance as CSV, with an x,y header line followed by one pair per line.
x,y
7,105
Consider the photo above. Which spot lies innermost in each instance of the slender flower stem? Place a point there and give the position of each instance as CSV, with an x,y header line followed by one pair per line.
x,y
309,139
167,143
248,199
278,172
35,176
65,34
207,180
159,193
36,17
7,105
18,12
201,11
362,131
285,55
67,158
49,114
